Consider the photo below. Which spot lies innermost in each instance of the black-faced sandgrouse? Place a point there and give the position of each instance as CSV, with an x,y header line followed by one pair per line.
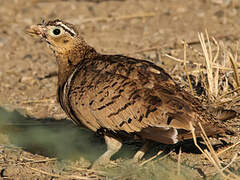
x,y
121,96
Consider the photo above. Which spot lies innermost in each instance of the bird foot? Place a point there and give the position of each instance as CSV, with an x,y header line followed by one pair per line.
x,y
100,163
97,164
138,156
141,152
113,145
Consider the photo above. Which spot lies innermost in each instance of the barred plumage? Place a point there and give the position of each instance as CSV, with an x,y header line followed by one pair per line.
x,y
116,94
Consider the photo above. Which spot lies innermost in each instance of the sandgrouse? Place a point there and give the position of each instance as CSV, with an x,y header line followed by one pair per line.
x,y
119,96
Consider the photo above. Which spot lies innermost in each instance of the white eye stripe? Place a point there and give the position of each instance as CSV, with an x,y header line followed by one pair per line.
x,y
66,28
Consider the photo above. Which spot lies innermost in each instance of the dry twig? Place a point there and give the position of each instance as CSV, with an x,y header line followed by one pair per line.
x,y
235,68
88,170
226,149
155,156
32,161
212,156
179,162
185,68
57,175
198,64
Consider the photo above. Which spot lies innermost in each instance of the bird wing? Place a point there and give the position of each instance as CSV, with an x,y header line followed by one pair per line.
x,y
125,94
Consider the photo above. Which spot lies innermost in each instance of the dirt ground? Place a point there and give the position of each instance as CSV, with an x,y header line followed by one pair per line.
x,y
36,140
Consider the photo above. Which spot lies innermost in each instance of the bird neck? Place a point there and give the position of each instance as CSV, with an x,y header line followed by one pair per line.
x,y
69,61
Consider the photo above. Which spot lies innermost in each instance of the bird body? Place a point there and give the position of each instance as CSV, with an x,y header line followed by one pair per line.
x,y
116,94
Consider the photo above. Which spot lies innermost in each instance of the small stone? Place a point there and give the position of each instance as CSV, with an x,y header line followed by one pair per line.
x,y
3,41
219,13
27,56
181,10
27,79
222,2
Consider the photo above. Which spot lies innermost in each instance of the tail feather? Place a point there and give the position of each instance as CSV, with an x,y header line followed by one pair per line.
x,y
223,114
211,131
160,134
170,135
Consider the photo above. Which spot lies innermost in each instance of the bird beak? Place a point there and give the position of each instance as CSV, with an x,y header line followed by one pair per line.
x,y
38,30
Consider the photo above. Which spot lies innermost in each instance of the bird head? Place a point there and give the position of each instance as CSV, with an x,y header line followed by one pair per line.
x,y
60,35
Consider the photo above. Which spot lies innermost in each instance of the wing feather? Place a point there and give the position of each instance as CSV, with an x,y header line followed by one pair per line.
x,y
124,94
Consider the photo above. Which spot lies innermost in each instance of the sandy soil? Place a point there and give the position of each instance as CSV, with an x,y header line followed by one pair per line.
x,y
34,145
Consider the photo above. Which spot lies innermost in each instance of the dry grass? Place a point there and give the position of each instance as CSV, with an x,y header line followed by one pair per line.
x,y
213,91
213,157
211,82
215,72
185,68
212,70
212,75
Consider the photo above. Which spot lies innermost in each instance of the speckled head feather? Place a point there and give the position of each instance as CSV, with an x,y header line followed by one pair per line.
x,y
67,44
62,37
70,28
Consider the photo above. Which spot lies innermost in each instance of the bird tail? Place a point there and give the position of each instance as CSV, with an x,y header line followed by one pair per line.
x,y
225,114
222,114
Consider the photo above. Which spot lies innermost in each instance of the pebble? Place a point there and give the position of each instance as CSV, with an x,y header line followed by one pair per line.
x,y
222,2
3,41
181,10
219,13
28,56
27,79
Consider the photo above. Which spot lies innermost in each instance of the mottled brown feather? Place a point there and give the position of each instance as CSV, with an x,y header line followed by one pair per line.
x,y
119,93
116,93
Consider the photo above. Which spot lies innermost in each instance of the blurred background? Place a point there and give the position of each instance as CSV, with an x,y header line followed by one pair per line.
x,y
142,29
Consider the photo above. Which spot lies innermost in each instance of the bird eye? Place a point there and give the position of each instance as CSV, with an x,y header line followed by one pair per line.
x,y
56,31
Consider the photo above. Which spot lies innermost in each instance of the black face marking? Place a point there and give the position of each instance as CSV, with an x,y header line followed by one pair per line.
x,y
72,34
66,26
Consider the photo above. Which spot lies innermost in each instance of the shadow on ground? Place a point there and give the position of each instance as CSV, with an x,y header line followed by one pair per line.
x,y
56,138
60,138
50,137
